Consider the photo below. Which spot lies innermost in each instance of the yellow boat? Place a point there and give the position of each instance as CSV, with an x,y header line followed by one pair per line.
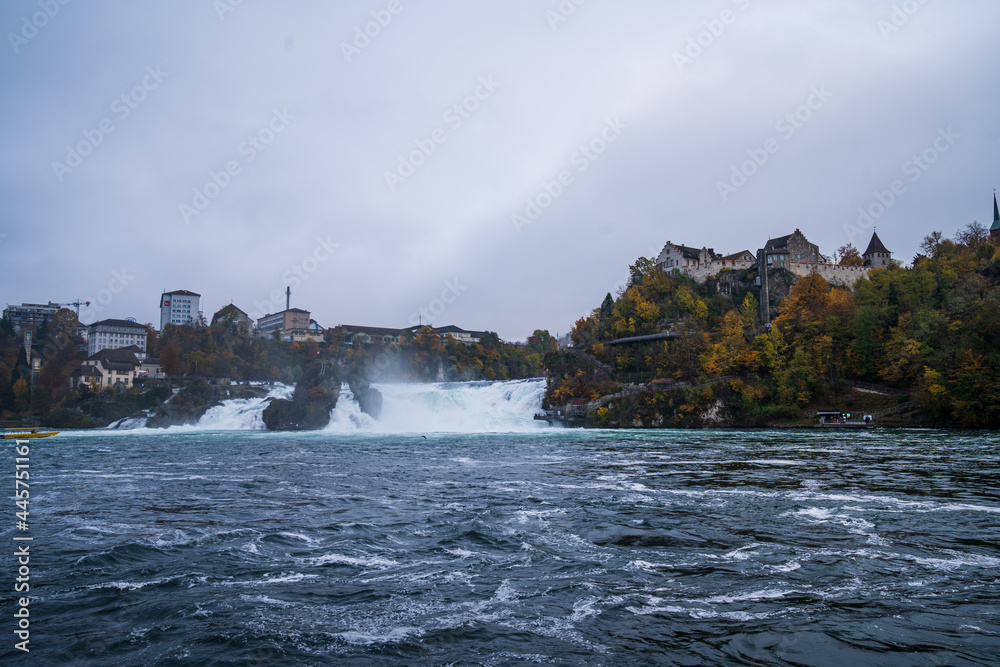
x,y
20,433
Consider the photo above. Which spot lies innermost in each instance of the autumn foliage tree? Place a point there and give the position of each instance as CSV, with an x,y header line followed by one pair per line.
x,y
848,255
931,330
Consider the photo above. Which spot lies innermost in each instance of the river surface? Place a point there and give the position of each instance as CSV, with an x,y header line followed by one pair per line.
x,y
546,546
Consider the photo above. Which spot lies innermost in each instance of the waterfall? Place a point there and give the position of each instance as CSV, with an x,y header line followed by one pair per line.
x,y
456,407
234,414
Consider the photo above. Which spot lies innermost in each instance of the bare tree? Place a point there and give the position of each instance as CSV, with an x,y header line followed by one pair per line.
x,y
974,235
931,243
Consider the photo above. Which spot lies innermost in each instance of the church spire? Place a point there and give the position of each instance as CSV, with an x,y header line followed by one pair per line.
x,y
995,229
996,212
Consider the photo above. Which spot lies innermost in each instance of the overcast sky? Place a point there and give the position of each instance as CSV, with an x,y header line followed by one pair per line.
x,y
120,120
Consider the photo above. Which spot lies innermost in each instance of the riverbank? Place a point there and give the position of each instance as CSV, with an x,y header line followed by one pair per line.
x,y
723,403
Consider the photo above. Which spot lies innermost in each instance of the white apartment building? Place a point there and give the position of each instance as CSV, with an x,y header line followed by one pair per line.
x,y
179,307
115,335
30,313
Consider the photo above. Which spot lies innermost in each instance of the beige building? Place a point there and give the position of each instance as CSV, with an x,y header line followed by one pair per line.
x,y
304,335
460,335
682,257
107,368
149,367
286,320
368,335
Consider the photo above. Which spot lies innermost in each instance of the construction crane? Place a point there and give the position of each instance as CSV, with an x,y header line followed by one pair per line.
x,y
76,303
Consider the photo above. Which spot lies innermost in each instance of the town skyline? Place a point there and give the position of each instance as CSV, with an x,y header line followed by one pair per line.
x,y
697,263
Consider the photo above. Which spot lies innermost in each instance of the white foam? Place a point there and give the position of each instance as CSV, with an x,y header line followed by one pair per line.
x,y
504,593
451,407
267,600
790,566
288,578
340,559
765,594
131,585
279,579
393,636
461,553
301,538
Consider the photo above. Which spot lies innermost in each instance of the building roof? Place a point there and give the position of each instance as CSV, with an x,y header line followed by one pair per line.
x,y
691,253
181,292
114,355
226,311
117,359
132,348
778,243
117,323
85,371
282,312
875,245
50,305
451,328
150,361
376,331
739,255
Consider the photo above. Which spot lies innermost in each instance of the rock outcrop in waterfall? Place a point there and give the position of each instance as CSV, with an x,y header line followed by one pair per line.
x,y
316,394
369,399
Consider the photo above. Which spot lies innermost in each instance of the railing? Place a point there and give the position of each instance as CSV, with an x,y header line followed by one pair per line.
x,y
634,376
627,391
902,407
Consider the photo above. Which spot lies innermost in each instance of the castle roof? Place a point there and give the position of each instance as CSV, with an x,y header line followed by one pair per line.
x,y
692,253
776,243
875,245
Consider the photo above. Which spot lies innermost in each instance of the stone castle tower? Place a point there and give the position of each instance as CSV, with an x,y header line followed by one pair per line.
x,y
877,255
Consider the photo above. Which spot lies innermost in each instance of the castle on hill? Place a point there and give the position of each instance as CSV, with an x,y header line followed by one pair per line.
x,y
793,253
